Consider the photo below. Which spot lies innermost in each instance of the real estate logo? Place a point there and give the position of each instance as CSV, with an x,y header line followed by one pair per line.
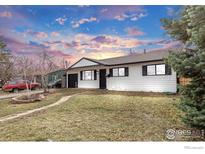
x,y
170,134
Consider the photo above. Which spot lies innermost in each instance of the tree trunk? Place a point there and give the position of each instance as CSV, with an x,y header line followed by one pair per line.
x,y
27,88
45,90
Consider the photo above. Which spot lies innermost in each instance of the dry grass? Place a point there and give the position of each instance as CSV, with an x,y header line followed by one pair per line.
x,y
7,108
113,116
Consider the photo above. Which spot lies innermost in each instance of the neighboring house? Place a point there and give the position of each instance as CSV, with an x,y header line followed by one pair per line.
x,y
56,76
37,79
138,72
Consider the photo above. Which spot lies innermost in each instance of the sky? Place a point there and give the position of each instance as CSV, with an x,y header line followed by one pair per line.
x,y
73,32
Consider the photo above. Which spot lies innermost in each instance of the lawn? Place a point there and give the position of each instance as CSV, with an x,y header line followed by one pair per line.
x,y
7,108
100,116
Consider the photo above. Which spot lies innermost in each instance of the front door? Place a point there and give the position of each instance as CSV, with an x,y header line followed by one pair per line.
x,y
72,80
102,78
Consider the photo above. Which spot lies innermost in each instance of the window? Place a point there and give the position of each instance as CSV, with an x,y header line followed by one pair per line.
x,y
157,69
121,71
151,70
88,75
11,82
115,72
118,72
160,69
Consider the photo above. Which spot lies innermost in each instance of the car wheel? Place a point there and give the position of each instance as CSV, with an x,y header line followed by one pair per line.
x,y
15,90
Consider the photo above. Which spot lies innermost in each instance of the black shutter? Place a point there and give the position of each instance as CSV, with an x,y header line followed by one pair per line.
x,y
81,75
111,72
144,70
126,71
168,70
95,75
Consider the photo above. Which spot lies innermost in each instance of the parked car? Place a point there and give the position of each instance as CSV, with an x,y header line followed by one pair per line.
x,y
55,84
15,86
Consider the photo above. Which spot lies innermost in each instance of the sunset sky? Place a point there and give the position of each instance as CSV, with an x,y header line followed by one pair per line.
x,y
72,32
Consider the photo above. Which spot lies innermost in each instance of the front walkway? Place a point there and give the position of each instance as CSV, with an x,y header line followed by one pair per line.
x,y
14,116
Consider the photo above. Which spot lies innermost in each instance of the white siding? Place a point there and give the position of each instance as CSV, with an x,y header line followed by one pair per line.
x,y
83,63
136,82
86,83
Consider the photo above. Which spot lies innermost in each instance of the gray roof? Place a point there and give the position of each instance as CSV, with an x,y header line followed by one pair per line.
x,y
155,55
135,58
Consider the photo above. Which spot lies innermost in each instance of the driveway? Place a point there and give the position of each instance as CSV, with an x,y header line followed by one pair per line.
x,y
11,95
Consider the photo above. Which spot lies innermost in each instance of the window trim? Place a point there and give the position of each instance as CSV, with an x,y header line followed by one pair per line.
x,y
92,76
156,69
118,71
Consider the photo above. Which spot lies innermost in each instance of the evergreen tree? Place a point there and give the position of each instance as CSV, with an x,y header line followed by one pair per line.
x,y
189,28
6,63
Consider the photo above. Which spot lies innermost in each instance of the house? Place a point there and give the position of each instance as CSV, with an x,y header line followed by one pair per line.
x,y
56,78
138,72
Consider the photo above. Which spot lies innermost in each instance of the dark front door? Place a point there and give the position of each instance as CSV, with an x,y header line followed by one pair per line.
x,y
102,79
72,80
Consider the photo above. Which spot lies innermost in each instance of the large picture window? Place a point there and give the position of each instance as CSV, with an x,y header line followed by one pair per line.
x,y
156,69
88,75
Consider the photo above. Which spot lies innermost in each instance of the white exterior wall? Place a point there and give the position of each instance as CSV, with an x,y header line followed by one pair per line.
x,y
86,83
136,82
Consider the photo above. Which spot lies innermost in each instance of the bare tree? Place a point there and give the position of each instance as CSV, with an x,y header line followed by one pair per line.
x,y
25,69
45,64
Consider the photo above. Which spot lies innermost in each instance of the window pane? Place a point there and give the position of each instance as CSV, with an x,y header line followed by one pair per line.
x,y
151,70
115,72
88,75
160,69
121,71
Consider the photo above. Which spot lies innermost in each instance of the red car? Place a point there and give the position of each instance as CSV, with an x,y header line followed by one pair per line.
x,y
15,86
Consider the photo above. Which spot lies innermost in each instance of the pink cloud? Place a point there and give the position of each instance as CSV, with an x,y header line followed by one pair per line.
x,y
132,31
104,39
173,44
164,44
121,13
76,24
41,35
31,48
38,35
5,14
55,34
